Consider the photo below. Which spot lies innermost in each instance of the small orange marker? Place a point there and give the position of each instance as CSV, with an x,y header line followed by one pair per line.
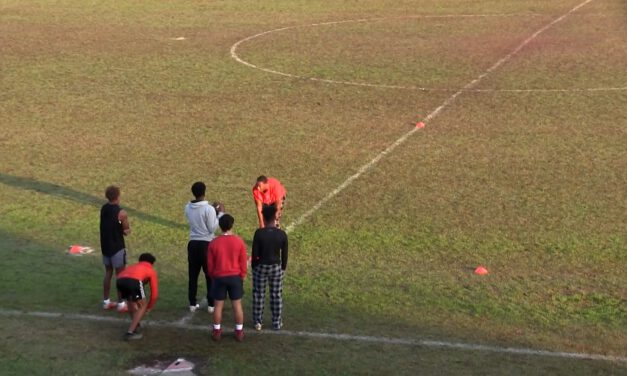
x,y
481,270
75,249
420,124
79,250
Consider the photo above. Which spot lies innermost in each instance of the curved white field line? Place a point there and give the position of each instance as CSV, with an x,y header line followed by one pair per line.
x,y
235,56
334,336
366,167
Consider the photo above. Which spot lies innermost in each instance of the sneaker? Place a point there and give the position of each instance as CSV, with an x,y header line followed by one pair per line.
x,y
109,304
132,336
122,307
239,335
277,326
216,335
193,308
258,326
210,309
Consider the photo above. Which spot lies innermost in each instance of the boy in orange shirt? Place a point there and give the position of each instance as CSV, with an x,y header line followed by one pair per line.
x,y
130,284
268,192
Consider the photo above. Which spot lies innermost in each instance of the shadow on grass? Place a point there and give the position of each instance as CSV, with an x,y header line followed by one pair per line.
x,y
77,196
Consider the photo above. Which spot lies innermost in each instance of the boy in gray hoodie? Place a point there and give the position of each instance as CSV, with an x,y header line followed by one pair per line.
x,y
203,222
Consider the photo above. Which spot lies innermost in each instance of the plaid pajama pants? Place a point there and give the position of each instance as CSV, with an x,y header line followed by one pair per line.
x,y
273,275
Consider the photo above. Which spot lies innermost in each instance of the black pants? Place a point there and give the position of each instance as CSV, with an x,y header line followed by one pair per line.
x,y
196,260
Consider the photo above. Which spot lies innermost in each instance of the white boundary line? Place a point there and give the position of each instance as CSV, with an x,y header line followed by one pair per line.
x,y
235,56
339,337
366,167
187,317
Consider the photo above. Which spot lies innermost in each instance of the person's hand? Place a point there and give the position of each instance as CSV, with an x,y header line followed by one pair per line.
x,y
219,207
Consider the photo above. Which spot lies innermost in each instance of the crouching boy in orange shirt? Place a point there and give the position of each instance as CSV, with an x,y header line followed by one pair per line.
x,y
130,284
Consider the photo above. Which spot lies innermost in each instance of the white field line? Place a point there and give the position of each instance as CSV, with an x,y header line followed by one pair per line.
x,y
235,56
185,319
335,336
366,167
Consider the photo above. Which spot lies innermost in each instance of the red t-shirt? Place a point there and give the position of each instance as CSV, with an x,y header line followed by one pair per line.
x,y
227,257
143,271
274,193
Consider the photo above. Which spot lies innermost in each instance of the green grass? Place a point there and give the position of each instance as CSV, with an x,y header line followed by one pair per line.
x,y
529,184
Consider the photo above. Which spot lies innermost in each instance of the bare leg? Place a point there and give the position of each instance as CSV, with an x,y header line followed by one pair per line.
x,y
238,311
106,282
217,313
139,309
117,272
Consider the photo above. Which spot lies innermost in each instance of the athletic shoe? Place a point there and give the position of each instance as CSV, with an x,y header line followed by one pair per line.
x,y
193,308
132,336
122,307
210,309
216,335
258,326
277,326
239,335
109,305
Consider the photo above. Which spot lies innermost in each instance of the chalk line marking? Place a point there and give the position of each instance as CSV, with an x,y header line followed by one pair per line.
x,y
366,167
189,315
235,56
334,336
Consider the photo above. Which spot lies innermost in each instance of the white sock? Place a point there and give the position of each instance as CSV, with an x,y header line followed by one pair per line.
x,y
106,301
239,326
216,326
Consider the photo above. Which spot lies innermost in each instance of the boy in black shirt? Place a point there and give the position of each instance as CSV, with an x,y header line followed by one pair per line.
x,y
269,261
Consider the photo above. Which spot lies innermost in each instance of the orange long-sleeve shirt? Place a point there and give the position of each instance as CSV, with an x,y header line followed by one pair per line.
x,y
274,193
143,271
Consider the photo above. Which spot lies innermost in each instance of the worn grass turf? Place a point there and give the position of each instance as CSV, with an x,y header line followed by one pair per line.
x,y
530,184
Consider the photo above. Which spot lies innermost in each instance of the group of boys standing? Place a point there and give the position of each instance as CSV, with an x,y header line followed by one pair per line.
x,y
223,259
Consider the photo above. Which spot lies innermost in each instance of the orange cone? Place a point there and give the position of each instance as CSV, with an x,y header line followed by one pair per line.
x,y
481,270
420,124
75,250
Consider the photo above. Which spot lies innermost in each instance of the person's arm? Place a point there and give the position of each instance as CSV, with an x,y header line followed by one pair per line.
x,y
242,261
284,247
210,263
259,205
212,220
154,290
281,192
123,218
254,261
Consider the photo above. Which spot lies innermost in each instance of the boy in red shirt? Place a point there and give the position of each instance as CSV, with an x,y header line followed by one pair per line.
x,y
226,262
268,192
130,284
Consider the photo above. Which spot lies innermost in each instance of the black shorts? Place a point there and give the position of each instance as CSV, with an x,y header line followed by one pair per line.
x,y
131,289
232,284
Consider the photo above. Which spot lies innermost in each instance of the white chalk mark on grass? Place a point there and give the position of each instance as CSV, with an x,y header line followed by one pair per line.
x,y
366,167
333,336
237,58
185,319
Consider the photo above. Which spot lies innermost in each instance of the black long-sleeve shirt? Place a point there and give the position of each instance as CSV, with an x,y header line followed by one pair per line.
x,y
270,247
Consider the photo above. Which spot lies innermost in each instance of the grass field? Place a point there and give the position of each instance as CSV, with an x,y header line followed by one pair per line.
x,y
525,173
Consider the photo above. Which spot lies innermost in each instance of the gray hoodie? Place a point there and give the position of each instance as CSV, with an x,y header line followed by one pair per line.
x,y
203,221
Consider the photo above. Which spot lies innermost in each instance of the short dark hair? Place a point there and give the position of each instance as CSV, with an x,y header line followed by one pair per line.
x,y
112,192
198,189
226,222
147,257
269,213
262,179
